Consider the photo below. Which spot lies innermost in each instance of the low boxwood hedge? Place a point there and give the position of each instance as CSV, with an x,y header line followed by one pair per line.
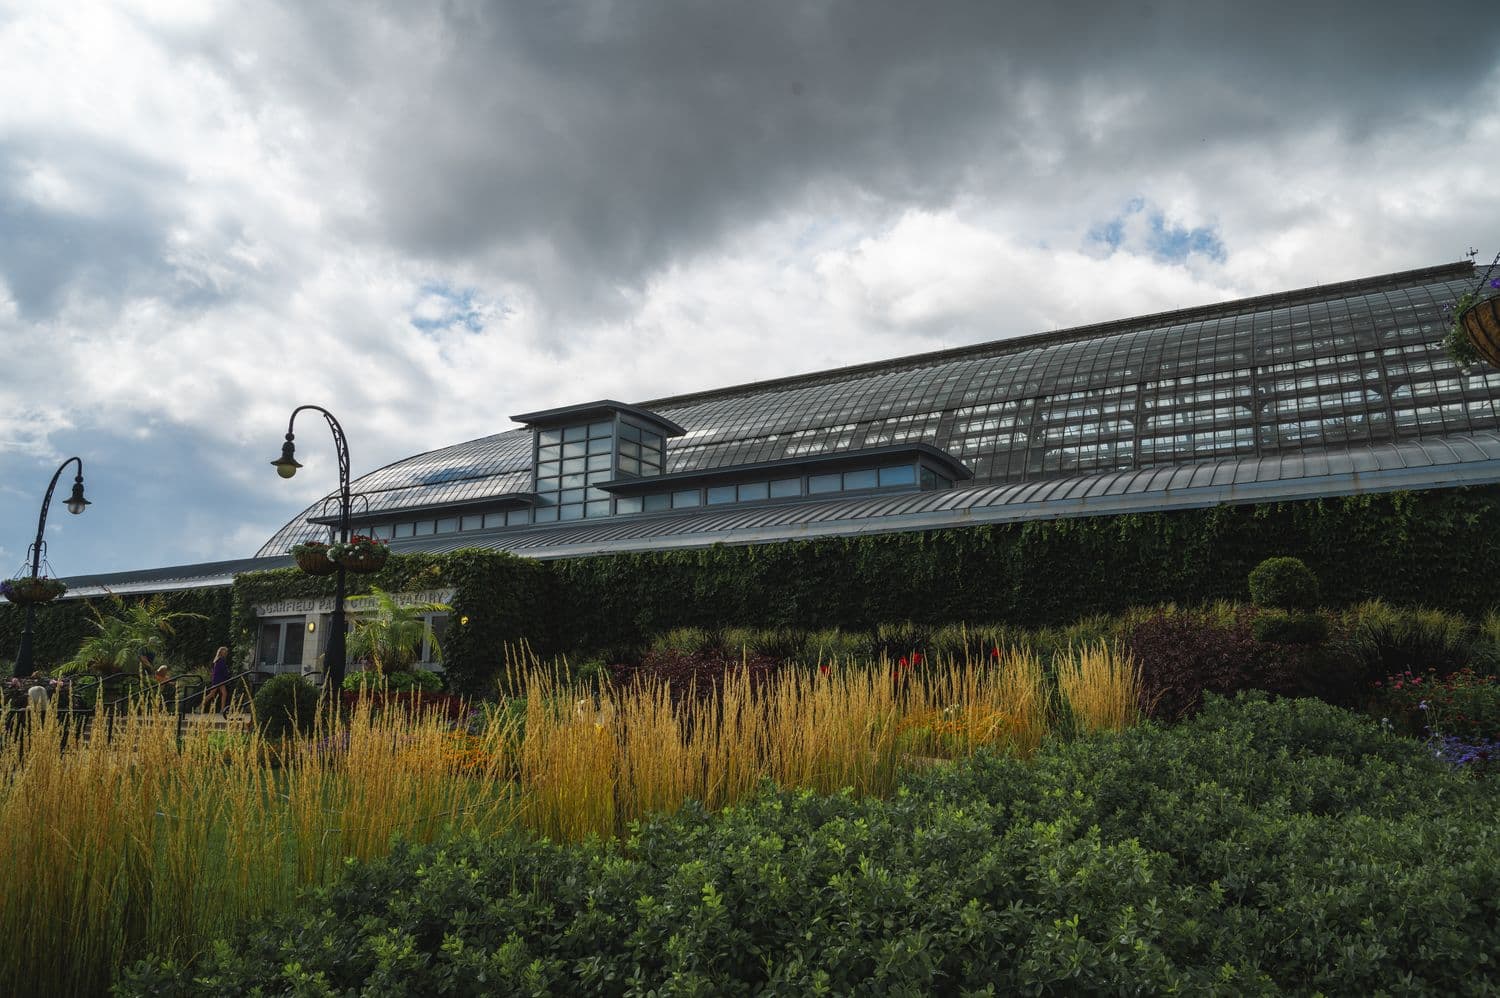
x,y
1260,848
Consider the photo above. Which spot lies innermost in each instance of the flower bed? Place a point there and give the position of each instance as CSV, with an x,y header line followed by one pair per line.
x,y
1260,848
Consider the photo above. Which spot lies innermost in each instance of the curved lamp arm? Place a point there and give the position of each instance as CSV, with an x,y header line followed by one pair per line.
x,y
76,504
287,465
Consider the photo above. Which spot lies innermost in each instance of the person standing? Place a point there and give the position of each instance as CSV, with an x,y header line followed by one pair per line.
x,y
218,677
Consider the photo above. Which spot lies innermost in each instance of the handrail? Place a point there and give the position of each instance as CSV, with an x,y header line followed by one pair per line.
x,y
244,676
144,687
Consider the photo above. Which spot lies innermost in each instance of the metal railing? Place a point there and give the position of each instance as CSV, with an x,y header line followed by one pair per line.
x,y
92,697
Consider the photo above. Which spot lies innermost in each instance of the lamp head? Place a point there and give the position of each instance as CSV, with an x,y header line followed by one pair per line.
x,y
286,464
76,502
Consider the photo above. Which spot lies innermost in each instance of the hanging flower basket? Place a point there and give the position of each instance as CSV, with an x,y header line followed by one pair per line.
x,y
1474,330
27,591
313,559
1481,322
360,554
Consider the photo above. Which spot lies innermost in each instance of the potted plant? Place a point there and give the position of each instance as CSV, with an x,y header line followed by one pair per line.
x,y
360,553
1474,334
29,591
312,558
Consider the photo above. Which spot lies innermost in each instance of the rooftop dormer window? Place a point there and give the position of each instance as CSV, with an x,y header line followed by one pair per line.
x,y
577,448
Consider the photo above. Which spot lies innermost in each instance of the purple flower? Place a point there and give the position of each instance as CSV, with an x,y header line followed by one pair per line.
x,y
1495,282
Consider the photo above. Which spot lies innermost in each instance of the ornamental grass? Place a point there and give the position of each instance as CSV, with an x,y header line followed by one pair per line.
x,y
138,843
1101,686
147,842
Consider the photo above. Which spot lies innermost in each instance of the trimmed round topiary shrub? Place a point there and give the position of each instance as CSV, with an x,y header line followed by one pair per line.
x,y
286,705
1278,627
1284,584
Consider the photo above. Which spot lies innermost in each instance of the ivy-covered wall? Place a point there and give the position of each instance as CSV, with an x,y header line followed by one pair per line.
x,y
62,626
501,600
1440,548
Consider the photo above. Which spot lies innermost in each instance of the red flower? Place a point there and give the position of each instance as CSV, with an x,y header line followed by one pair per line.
x,y
823,669
995,652
902,662
916,657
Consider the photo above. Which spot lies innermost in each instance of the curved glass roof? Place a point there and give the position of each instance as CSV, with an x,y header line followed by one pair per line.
x,y
1337,368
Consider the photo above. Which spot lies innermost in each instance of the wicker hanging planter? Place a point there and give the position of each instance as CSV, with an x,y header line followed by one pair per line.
x,y
1481,321
360,554
1474,330
28,591
313,559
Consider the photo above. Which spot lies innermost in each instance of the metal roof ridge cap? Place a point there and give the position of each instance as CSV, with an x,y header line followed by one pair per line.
x,y
543,417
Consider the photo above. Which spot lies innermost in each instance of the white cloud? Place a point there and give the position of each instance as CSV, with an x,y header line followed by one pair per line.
x,y
427,226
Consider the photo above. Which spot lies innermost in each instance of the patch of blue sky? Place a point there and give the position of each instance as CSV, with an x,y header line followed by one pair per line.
x,y
1142,227
441,306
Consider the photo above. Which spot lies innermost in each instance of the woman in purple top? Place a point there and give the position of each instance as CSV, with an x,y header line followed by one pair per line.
x,y
218,673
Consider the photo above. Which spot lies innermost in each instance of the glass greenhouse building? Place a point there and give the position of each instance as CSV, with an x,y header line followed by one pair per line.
x,y
1327,391
1332,390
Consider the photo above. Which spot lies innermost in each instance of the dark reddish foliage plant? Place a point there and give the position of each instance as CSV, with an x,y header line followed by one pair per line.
x,y
702,672
1184,655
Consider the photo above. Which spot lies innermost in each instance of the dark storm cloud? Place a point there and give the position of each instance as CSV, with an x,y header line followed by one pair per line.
x,y
585,145
579,148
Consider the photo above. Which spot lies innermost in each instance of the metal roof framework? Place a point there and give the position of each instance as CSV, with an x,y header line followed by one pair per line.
x,y
1301,377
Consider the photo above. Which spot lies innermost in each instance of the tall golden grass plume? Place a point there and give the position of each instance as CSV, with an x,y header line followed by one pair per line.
x,y
1101,686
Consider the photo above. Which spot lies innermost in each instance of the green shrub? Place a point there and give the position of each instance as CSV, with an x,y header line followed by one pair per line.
x,y
1284,584
901,640
1389,639
835,645
1262,848
286,704
686,641
784,644
399,681
589,670
1279,627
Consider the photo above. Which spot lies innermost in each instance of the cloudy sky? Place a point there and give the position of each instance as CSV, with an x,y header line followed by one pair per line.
x,y
427,217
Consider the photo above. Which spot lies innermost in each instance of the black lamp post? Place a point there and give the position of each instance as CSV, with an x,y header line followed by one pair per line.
x,y
76,504
286,467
